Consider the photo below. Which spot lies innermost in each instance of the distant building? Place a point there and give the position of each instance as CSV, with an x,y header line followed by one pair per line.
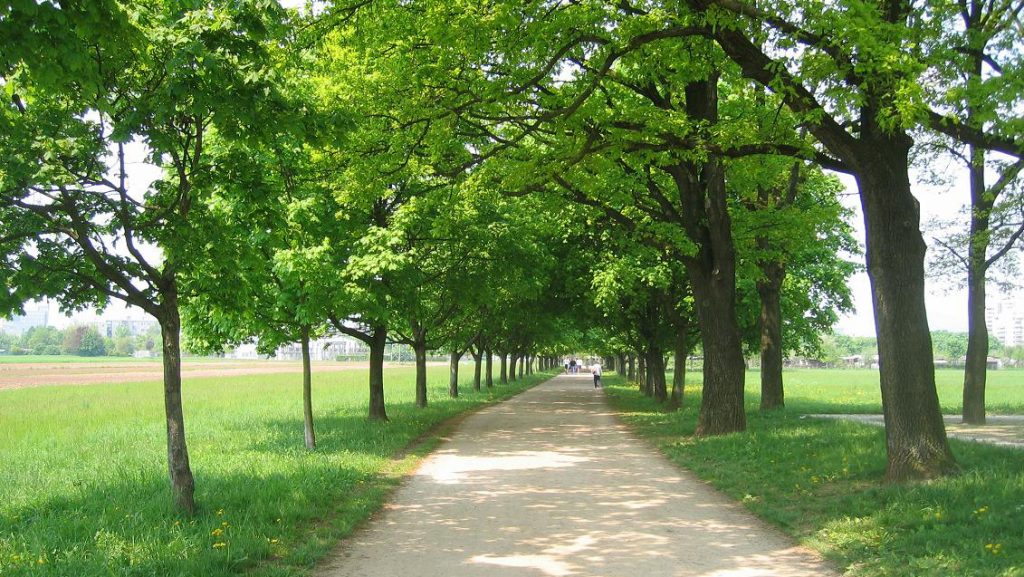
x,y
36,315
1005,319
136,327
327,348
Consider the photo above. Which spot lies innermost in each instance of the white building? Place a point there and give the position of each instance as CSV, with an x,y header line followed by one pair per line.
x,y
327,348
37,314
1005,318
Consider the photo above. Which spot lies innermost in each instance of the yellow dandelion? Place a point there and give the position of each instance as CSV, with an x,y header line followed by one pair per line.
x,y
220,512
217,532
220,545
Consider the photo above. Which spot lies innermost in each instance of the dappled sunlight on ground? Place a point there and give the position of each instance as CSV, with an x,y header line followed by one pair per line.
x,y
548,484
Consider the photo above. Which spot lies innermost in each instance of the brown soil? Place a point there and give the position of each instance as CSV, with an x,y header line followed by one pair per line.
x,y
15,376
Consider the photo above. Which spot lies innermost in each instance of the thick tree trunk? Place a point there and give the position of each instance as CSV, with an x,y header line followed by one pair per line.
x,y
656,369
769,289
915,434
307,392
478,356
504,368
419,349
529,364
522,366
620,364
976,368
489,370
453,374
513,359
712,275
378,341
631,370
182,483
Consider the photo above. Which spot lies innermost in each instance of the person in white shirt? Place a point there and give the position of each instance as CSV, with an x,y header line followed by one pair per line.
x,y
596,370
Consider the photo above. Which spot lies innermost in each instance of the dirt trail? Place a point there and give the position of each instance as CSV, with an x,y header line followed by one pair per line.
x,y
550,484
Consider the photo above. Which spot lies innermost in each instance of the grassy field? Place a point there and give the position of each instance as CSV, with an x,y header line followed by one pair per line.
x,y
83,481
23,359
821,481
857,390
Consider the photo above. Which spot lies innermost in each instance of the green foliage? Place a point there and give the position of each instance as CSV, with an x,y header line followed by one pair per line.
x,y
820,481
267,506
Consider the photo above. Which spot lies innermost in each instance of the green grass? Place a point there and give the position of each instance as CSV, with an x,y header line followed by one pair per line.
x,y
857,390
84,490
821,481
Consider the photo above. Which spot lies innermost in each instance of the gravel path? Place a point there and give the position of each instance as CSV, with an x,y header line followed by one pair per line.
x,y
550,484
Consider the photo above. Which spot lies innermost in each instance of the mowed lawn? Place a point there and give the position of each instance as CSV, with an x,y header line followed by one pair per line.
x,y
857,390
822,480
83,471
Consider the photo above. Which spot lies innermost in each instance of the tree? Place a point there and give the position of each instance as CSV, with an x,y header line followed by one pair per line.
x,y
72,227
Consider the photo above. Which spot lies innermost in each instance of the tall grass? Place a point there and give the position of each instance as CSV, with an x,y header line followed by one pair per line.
x,y
822,481
84,490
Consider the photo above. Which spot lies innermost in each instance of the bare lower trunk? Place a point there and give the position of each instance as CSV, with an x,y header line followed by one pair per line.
x,y
631,370
504,368
419,349
182,483
976,369
641,374
620,364
769,289
489,370
915,434
656,369
378,341
681,350
307,392
513,358
453,374
478,356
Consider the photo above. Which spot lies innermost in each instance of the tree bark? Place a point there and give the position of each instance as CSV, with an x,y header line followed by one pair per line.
x,y
681,350
419,349
712,274
522,366
489,372
378,341
478,356
631,371
307,392
656,370
641,374
513,358
453,374
182,482
976,367
769,289
504,368
915,434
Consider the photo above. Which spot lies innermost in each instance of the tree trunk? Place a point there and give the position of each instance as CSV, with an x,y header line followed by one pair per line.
x,y
512,359
620,364
453,374
641,374
489,372
915,434
681,350
631,371
378,341
182,483
712,274
307,392
656,368
478,356
504,367
529,364
522,366
769,289
419,348
976,367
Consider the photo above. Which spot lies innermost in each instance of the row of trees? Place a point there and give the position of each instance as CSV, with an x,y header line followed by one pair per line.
x,y
82,340
504,179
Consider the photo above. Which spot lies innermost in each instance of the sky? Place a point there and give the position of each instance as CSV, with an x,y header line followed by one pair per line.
x,y
946,304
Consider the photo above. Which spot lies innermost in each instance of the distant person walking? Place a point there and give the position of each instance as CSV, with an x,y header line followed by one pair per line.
x,y
572,366
596,370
